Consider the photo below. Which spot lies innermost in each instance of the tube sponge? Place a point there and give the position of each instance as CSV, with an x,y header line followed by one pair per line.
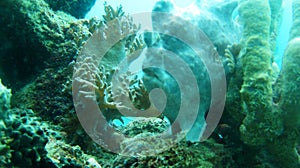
x,y
296,20
260,123
289,81
290,102
283,147
290,74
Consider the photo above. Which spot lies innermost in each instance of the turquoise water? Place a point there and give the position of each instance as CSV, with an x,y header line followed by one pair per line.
x,y
281,41
130,6
283,35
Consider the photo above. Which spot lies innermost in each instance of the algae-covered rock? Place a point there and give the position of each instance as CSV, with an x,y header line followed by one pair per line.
x,y
181,154
77,8
38,37
53,104
185,154
65,155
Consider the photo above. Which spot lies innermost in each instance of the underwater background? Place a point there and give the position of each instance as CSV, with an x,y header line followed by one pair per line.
x,y
50,60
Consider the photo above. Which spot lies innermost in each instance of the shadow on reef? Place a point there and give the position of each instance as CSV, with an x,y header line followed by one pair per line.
x,y
260,125
35,37
22,58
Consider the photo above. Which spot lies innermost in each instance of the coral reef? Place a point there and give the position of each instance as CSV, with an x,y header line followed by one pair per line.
x,y
42,38
145,137
5,95
29,137
54,104
61,34
64,155
184,154
149,125
28,141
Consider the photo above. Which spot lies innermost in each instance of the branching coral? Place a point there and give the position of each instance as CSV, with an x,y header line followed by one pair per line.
x,y
111,14
118,41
